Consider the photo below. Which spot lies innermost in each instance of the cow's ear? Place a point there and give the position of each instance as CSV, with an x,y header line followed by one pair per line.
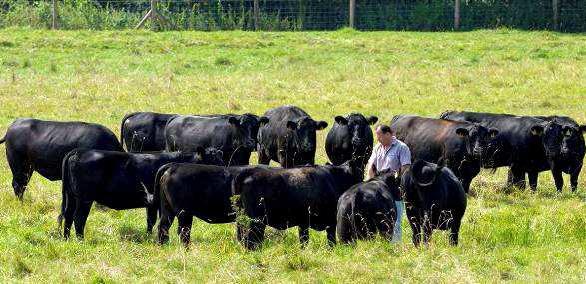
x,y
462,132
493,132
292,125
568,131
200,152
583,128
341,120
319,125
234,121
263,120
537,130
372,119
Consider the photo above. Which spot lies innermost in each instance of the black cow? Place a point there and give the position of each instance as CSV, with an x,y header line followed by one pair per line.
x,y
38,145
529,145
282,198
434,199
368,208
117,180
144,131
462,145
573,149
234,135
289,137
350,138
187,190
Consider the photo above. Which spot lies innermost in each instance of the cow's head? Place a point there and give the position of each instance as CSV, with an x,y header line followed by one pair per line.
x,y
572,142
480,140
551,135
208,156
348,174
246,130
358,128
299,144
424,174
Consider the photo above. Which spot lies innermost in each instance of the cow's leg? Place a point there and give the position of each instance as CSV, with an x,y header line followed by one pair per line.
x,y
516,177
263,158
165,221
415,224
185,221
21,173
151,218
427,231
466,184
557,178
331,233
82,211
533,175
68,214
303,235
254,235
454,231
574,177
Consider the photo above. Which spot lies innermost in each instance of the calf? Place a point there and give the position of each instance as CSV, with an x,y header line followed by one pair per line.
x,y
529,145
234,135
117,180
462,145
368,208
434,199
38,145
282,198
350,138
289,137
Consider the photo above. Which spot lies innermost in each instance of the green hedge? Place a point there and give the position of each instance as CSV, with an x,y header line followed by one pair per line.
x,y
299,14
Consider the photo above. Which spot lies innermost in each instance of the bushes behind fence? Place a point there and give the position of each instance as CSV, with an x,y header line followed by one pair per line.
x,y
298,14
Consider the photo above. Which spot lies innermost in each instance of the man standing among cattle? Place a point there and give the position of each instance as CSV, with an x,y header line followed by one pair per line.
x,y
390,154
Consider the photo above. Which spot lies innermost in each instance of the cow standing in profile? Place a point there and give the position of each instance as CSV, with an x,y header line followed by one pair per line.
x,y
234,135
462,145
39,145
117,180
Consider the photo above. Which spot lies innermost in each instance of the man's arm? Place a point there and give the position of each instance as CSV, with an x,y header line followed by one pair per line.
x,y
371,169
405,159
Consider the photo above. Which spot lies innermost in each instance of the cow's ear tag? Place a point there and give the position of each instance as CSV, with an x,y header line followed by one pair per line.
x,y
537,130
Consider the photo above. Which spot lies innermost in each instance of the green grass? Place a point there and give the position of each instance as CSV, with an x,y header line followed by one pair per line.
x,y
100,76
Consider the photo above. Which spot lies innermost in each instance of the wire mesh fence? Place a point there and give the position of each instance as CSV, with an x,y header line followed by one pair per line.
x,y
292,15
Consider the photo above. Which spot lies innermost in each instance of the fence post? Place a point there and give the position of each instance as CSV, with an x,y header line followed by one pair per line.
x,y
53,14
153,15
457,15
351,12
556,14
256,8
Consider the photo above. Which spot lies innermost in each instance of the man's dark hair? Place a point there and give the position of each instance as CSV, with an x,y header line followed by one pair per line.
x,y
385,129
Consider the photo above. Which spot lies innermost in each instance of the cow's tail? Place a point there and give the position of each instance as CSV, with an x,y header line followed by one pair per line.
x,y
156,201
126,117
65,186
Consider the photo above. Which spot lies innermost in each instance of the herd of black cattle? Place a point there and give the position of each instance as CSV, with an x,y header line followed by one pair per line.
x,y
197,165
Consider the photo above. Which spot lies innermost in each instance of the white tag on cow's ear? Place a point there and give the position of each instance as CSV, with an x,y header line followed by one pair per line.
x,y
568,132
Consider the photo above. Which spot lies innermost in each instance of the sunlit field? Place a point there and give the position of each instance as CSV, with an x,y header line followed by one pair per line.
x,y
100,76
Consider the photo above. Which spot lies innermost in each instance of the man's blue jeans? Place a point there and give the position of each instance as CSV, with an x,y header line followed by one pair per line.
x,y
397,232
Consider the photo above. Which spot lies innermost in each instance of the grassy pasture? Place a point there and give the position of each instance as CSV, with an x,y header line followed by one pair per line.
x,y
100,76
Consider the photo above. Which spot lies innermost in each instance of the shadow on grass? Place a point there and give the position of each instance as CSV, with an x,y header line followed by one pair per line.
x,y
131,234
